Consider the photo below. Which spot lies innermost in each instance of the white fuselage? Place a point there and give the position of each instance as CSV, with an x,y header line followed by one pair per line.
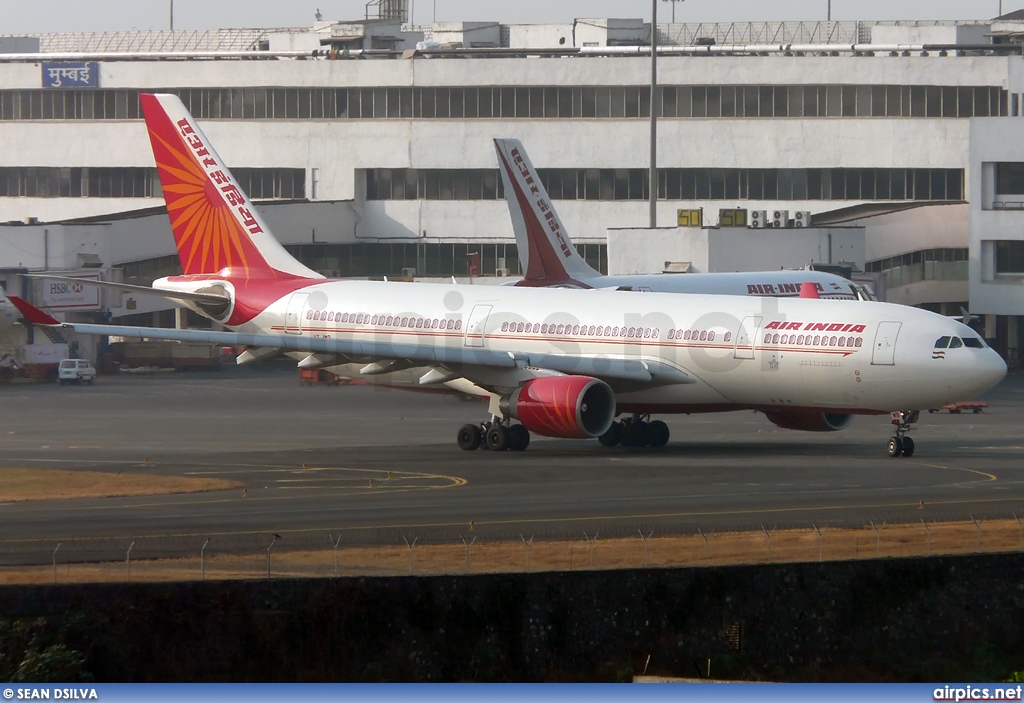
x,y
777,284
767,353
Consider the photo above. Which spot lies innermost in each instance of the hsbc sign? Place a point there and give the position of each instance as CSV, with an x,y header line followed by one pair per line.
x,y
72,295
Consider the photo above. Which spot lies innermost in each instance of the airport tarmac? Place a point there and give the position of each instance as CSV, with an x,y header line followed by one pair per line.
x,y
317,459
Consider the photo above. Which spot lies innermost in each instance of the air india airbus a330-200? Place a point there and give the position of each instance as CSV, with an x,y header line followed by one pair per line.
x,y
561,362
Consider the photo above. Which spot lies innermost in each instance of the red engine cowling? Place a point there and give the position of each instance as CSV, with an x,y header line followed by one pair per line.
x,y
809,421
570,407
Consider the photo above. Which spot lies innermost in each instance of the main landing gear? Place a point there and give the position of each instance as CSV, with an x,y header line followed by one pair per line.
x,y
636,431
496,435
899,443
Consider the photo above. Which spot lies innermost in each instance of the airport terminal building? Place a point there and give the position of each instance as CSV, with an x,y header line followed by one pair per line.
x,y
893,147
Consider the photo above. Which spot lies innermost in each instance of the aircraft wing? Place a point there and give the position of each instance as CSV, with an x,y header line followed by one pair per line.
x,y
635,371
644,372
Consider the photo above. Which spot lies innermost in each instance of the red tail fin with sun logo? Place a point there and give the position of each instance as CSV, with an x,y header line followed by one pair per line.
x,y
216,226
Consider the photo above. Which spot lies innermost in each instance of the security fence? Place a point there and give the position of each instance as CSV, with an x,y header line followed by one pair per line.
x,y
475,550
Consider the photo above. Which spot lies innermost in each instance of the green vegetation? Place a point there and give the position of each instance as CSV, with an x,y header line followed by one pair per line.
x,y
35,651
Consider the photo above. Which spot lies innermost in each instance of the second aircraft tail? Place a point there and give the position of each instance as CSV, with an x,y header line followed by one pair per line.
x,y
545,250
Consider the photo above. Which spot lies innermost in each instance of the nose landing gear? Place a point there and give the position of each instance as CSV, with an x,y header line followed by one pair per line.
x,y
899,443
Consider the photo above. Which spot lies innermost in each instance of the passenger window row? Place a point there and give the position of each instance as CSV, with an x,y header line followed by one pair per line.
x,y
697,335
814,340
581,330
384,320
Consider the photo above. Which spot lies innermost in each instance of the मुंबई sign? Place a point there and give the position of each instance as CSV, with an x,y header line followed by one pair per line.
x,y
65,74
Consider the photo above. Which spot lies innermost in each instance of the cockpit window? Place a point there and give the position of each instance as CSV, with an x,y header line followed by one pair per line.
x,y
955,343
974,343
942,343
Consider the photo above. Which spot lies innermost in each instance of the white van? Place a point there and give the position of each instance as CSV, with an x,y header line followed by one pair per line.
x,y
76,371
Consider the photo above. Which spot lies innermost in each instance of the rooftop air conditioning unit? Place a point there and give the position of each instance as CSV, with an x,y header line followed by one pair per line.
x,y
758,219
501,272
802,218
780,218
409,272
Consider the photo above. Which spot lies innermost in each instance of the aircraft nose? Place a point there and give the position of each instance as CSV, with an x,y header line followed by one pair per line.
x,y
986,371
993,367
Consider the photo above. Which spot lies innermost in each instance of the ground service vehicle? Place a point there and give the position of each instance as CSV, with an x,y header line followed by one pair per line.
x,y
76,371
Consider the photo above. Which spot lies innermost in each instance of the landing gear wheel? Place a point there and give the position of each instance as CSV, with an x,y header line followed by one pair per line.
x,y
657,433
518,438
497,438
900,443
635,434
613,436
469,437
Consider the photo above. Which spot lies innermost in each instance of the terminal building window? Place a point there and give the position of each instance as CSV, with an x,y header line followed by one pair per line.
x,y
1009,178
522,102
949,264
259,183
677,184
1010,257
441,259
143,273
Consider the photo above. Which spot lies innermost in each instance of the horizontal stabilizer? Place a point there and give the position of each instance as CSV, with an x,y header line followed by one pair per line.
x,y
966,317
208,298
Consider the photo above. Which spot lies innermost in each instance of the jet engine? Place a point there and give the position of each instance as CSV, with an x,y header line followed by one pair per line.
x,y
571,407
809,420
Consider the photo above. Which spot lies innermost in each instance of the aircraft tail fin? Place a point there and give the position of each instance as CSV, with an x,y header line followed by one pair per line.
x,y
31,313
808,290
216,226
545,250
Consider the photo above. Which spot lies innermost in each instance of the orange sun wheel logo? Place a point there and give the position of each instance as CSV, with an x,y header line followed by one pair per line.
x,y
206,232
